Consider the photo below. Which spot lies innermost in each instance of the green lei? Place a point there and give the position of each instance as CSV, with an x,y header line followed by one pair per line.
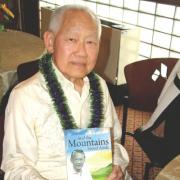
x,y
60,101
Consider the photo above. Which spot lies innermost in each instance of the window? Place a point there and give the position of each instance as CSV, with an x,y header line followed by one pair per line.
x,y
176,30
147,7
116,13
131,4
146,20
161,8
103,10
146,35
161,40
159,23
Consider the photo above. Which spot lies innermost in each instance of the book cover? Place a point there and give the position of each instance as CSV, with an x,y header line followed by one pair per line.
x,y
89,153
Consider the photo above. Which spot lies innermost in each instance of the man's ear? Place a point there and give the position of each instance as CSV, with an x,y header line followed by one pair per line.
x,y
49,41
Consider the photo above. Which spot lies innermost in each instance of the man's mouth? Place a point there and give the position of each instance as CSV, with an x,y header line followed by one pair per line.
x,y
80,64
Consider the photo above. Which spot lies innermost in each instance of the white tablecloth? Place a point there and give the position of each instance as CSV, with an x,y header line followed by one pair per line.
x,y
7,79
16,47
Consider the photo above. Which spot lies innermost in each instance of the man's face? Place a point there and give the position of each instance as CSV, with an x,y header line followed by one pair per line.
x,y
78,161
76,45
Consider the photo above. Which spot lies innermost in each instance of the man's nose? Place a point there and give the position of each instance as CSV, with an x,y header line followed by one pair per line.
x,y
81,49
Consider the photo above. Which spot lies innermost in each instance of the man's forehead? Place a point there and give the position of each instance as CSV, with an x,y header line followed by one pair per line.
x,y
76,15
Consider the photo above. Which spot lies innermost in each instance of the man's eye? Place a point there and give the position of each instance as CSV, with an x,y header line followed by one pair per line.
x,y
91,42
72,39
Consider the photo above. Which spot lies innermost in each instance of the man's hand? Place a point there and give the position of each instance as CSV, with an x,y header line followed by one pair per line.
x,y
116,173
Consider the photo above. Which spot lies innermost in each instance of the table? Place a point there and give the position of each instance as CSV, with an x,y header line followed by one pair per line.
x,y
16,47
171,171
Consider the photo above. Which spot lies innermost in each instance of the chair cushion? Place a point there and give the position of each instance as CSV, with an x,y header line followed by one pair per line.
x,y
155,147
26,70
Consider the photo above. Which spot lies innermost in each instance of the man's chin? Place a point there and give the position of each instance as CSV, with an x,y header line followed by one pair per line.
x,y
79,75
79,169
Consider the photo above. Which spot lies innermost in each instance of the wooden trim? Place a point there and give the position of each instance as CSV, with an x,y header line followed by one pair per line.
x,y
30,16
170,2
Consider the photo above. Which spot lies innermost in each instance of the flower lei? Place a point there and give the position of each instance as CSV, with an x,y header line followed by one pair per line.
x,y
60,101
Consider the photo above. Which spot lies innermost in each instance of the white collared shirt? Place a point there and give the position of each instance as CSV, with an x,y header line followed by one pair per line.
x,y
84,174
33,145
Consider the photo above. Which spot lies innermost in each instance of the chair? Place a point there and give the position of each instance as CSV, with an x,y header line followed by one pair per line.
x,y
143,92
24,71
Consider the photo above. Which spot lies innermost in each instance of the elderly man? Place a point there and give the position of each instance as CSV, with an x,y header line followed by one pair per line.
x,y
64,94
78,170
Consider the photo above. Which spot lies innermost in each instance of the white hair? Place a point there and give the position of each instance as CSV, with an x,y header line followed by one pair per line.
x,y
58,15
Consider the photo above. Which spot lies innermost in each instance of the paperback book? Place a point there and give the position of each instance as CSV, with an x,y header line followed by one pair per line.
x,y
89,153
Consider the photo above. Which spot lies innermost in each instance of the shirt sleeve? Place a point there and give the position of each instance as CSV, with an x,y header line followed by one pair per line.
x,y
20,143
120,155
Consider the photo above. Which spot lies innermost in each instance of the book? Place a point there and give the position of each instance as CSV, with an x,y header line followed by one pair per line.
x,y
93,147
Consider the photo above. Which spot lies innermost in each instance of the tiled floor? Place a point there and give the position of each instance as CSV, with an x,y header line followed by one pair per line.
x,y
137,157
